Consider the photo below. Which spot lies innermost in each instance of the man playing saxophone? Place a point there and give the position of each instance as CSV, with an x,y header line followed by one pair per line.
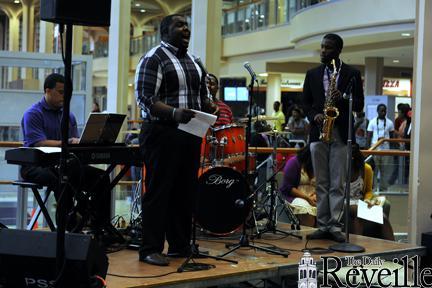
x,y
327,112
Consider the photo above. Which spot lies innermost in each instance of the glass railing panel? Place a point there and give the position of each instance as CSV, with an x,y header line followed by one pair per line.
x,y
256,15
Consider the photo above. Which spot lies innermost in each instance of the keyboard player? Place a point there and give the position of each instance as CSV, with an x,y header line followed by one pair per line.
x,y
41,125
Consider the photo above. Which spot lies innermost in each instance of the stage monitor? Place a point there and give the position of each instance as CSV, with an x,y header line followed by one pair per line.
x,y
76,12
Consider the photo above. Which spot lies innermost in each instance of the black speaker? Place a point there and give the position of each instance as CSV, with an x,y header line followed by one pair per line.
x,y
76,12
28,259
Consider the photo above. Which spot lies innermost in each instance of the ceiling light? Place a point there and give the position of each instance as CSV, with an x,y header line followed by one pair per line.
x,y
142,10
130,84
395,61
263,74
262,16
16,1
406,34
137,4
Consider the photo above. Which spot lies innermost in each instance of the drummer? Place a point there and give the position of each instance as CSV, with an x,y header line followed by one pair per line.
x,y
223,111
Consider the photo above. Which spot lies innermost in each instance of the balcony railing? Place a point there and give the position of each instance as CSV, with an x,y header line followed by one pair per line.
x,y
260,15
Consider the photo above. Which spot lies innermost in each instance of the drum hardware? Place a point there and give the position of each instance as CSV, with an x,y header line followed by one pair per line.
x,y
274,197
216,187
245,202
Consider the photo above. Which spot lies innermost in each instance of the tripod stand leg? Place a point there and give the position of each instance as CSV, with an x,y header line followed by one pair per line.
x,y
284,254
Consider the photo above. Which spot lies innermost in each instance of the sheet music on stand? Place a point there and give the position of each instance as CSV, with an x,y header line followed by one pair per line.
x,y
198,125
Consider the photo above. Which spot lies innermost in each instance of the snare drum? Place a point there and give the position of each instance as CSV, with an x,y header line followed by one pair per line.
x,y
222,200
235,139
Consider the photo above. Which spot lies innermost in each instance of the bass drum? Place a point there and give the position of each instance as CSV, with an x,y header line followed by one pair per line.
x,y
222,204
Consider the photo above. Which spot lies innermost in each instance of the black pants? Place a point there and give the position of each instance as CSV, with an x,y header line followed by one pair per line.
x,y
82,178
171,158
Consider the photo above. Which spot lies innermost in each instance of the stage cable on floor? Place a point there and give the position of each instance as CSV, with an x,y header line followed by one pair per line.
x,y
145,276
316,250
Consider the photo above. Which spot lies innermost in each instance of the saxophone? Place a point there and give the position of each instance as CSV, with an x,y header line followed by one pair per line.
x,y
330,110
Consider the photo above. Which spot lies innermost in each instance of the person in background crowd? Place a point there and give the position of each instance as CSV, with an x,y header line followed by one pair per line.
x,y
96,107
381,127
223,111
298,125
298,187
361,189
401,108
280,122
360,129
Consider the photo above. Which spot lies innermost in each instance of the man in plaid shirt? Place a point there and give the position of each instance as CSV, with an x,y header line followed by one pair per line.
x,y
168,84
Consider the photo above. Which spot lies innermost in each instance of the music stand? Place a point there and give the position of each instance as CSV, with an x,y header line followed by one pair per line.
x,y
244,238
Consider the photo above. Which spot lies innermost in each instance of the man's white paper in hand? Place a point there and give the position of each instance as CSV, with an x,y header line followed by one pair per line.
x,y
374,214
198,125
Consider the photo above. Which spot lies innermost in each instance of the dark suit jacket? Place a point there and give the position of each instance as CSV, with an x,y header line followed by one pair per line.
x,y
314,96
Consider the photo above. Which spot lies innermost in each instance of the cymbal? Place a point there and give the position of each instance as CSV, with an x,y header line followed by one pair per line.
x,y
259,118
275,132
131,132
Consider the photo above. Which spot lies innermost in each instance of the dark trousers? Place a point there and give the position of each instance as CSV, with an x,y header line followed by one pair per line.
x,y
82,178
171,158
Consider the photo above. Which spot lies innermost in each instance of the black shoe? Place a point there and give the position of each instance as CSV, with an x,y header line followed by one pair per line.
x,y
318,234
337,236
154,259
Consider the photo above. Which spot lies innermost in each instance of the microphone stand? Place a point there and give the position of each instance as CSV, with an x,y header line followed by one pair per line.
x,y
62,206
244,238
347,246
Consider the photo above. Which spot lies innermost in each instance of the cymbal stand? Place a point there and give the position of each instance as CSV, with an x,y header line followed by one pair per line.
x,y
274,198
244,238
195,253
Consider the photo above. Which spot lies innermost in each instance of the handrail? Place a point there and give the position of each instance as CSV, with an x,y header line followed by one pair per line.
x,y
390,140
10,144
291,151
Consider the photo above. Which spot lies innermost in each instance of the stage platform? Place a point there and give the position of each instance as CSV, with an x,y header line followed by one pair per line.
x,y
252,264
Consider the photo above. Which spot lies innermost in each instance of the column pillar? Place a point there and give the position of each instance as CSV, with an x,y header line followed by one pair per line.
x,y
374,67
14,33
118,59
78,32
46,35
420,199
13,45
273,91
206,37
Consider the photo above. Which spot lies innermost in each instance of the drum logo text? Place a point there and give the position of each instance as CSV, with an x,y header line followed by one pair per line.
x,y
217,179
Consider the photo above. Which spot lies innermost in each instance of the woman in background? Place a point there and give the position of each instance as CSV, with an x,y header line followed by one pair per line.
x,y
298,187
361,189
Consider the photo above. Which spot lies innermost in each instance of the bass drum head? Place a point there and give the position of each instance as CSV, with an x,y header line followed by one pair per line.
x,y
222,204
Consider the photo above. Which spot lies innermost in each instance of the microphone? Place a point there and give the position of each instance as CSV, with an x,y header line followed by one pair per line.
x,y
201,65
239,203
249,69
348,90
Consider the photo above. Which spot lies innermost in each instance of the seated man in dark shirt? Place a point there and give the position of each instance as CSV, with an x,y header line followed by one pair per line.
x,y
41,126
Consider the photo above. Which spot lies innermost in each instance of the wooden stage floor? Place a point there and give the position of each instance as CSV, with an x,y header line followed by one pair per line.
x,y
252,264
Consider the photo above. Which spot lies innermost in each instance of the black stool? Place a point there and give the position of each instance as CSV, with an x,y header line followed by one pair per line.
x,y
41,208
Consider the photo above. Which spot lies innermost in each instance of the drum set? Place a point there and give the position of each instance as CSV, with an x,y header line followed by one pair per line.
x,y
221,184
